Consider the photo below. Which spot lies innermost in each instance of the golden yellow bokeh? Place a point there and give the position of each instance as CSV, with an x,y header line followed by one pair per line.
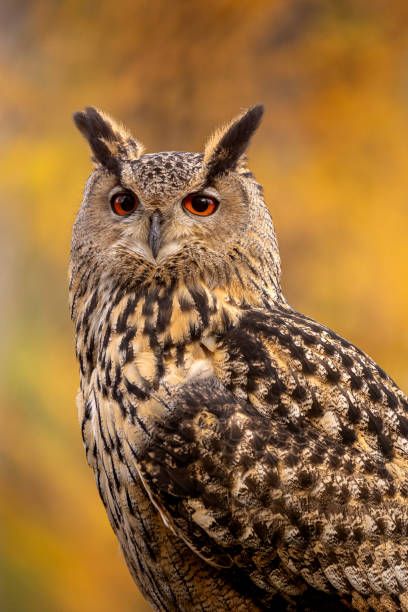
x,y
332,154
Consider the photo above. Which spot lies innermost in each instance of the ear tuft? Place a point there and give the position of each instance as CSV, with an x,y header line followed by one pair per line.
x,y
110,142
227,146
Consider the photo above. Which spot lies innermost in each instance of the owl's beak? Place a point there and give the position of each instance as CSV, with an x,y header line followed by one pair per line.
x,y
155,233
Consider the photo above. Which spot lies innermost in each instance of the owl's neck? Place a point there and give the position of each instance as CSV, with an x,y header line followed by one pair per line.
x,y
161,317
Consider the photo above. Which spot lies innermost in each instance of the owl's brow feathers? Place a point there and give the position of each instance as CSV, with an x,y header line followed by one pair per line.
x,y
232,145
111,143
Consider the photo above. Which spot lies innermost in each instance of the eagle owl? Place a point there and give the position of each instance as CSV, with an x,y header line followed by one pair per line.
x,y
247,456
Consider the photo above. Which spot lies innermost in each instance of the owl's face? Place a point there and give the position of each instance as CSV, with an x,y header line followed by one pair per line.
x,y
148,215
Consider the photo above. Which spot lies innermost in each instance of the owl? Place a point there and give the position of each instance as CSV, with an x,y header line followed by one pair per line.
x,y
248,457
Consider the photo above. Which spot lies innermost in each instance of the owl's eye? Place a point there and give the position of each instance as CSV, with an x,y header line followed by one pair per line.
x,y
202,205
124,203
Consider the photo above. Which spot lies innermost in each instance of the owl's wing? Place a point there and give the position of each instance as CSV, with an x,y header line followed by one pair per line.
x,y
310,490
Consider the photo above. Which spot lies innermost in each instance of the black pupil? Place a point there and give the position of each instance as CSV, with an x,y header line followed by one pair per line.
x,y
200,203
127,201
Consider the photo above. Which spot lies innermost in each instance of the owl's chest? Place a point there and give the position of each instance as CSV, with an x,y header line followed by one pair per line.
x,y
130,389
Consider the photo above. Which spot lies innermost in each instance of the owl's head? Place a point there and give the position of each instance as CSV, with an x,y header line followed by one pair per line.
x,y
174,216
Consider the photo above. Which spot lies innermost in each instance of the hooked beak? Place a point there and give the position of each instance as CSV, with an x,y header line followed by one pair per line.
x,y
155,233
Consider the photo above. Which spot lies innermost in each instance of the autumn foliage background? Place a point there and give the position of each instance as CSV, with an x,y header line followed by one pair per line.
x,y
332,154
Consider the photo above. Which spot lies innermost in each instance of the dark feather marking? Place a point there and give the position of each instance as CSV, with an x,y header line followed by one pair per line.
x,y
356,382
237,273
316,409
98,484
374,424
403,426
85,418
119,446
374,393
201,303
90,308
98,412
347,434
81,364
392,400
347,360
118,377
305,479
299,393
308,367
118,397
115,510
121,323
180,349
106,336
90,357
165,309
125,344
333,376
329,349
353,413
115,476
149,301
185,304
149,329
195,332
316,459
367,373
135,390
107,373
276,389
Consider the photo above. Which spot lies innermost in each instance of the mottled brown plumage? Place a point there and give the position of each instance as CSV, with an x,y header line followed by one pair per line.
x,y
248,457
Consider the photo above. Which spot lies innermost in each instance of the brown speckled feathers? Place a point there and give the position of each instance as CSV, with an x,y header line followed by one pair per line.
x,y
248,457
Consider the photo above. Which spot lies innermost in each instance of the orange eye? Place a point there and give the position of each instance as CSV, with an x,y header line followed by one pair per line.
x,y
124,203
202,205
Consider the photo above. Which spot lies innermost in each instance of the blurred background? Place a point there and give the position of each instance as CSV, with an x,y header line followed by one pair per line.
x,y
332,154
